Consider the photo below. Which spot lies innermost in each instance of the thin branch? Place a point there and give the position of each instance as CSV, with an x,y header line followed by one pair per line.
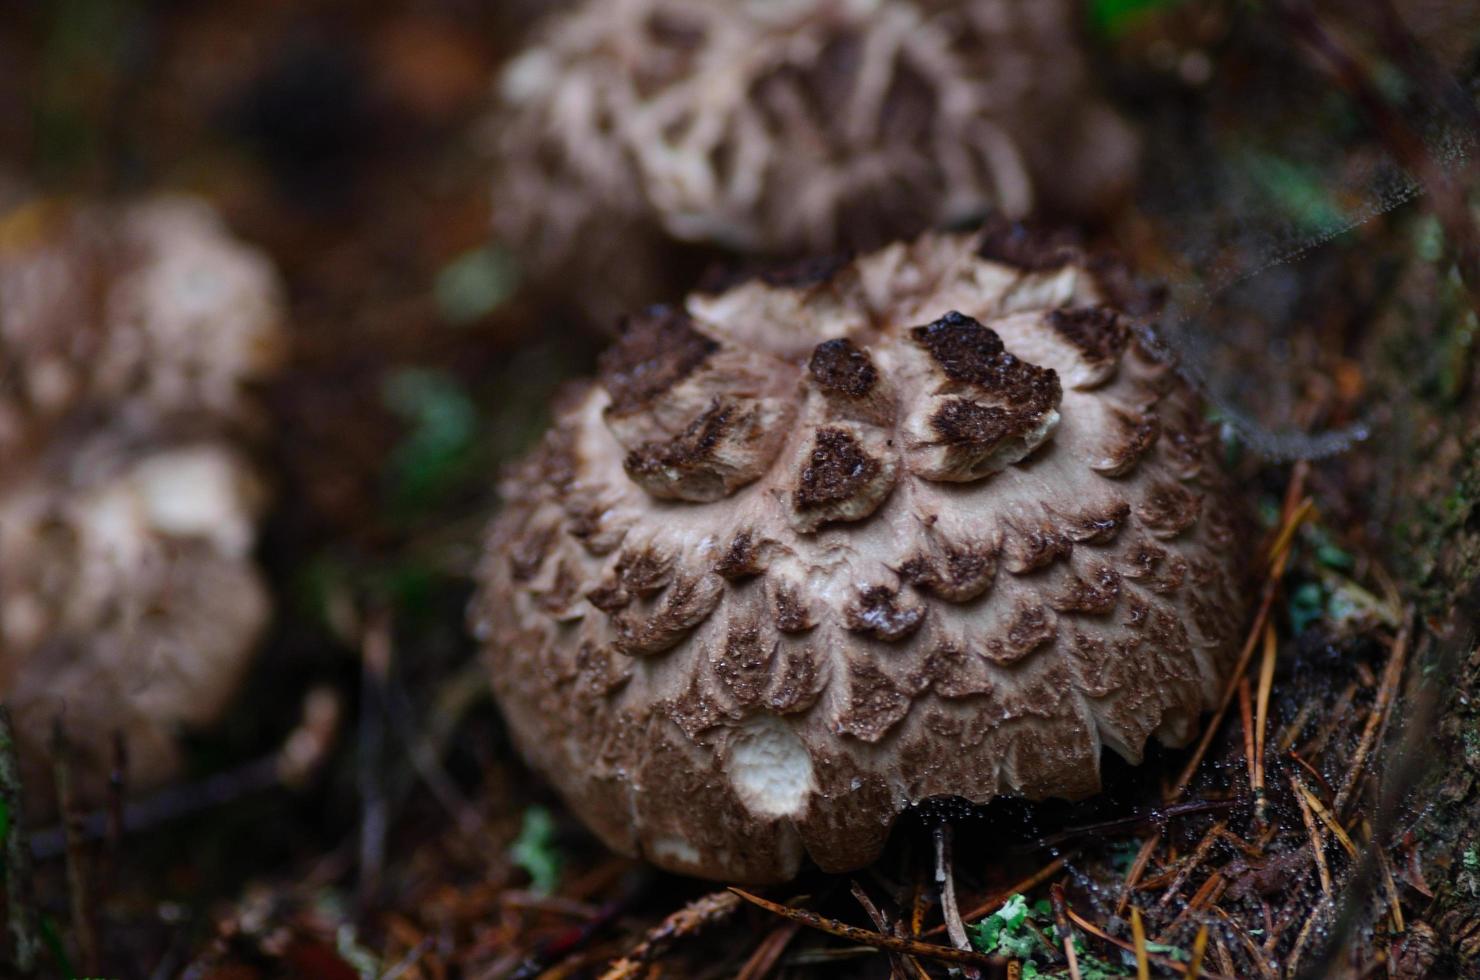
x,y
878,940
947,885
697,915
1391,675
763,960
1138,936
20,899
1317,841
79,882
1066,934
1261,712
375,665
992,904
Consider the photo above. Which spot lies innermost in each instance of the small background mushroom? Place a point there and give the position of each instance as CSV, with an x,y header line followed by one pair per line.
x,y
128,506
931,523
784,129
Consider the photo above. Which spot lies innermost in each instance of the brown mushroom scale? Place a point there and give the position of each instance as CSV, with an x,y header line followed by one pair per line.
x,y
934,524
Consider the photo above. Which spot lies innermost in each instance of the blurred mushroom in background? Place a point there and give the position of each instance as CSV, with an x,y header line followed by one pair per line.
x,y
129,600
783,129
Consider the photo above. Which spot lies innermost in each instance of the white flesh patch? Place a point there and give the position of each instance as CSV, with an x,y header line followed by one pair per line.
x,y
675,851
770,769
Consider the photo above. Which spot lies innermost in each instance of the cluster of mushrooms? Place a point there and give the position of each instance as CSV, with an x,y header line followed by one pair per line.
x,y
928,517
129,496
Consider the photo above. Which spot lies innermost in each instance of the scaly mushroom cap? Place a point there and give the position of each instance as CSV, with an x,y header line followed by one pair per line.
x,y
130,603
149,313
933,524
791,127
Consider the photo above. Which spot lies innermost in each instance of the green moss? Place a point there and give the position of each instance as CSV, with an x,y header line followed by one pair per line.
x,y
534,850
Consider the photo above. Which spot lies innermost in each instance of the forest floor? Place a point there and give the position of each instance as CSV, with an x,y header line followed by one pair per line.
x,y
1315,293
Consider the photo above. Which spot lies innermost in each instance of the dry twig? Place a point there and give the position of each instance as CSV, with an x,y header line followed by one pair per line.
x,y
1261,712
79,877
1138,936
1391,675
991,905
1317,841
868,937
698,914
20,900
763,960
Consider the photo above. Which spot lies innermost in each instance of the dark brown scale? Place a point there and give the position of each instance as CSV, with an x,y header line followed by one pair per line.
x,y
688,451
875,703
956,577
685,605
792,614
639,574
1015,244
950,672
842,366
1097,332
646,572
961,422
562,594
965,350
1137,610
1098,528
1184,452
744,662
1136,436
1125,292
587,524
1097,674
878,613
798,682
609,597
1037,547
1096,597
694,711
1156,568
815,271
1032,626
971,354
742,559
1169,509
838,470
803,274
656,351
528,554
600,673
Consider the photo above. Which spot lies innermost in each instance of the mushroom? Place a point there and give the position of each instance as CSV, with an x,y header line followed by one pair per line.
x,y
783,128
932,523
129,602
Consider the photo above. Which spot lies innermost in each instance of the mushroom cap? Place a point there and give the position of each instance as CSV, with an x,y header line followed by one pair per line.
x,y
128,509
930,523
149,313
791,127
